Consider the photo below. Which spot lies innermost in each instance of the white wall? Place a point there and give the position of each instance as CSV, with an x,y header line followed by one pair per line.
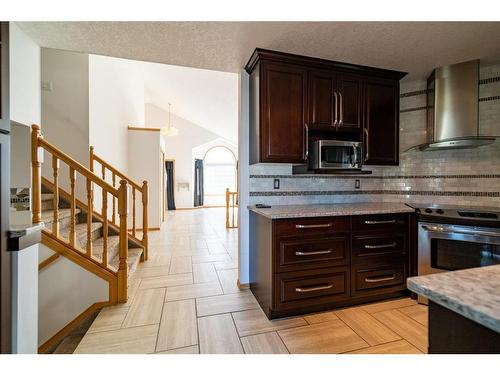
x,y
25,109
145,164
64,291
116,92
243,177
180,148
65,110
24,78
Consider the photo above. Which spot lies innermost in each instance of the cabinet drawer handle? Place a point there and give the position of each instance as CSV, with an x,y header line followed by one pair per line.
x,y
310,226
313,288
380,246
303,253
379,279
393,221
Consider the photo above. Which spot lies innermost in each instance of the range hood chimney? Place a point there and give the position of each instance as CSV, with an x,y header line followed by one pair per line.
x,y
453,108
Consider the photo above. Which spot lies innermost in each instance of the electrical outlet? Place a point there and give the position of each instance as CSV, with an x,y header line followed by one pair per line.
x,y
276,183
357,184
47,86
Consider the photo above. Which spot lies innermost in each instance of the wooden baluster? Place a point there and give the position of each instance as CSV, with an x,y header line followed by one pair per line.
x,y
55,219
133,211
227,208
91,158
104,214
123,249
36,164
114,198
90,210
145,219
233,204
72,228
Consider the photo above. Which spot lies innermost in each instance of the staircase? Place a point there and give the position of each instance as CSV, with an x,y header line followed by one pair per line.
x,y
135,251
103,239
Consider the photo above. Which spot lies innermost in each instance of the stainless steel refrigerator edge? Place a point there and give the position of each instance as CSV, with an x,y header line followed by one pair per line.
x,y
5,257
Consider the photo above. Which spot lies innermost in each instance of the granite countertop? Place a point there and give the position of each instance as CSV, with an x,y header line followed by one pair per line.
x,y
473,293
340,209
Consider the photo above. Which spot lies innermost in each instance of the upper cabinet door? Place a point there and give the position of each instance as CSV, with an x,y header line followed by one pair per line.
x,y
349,97
283,113
381,127
322,105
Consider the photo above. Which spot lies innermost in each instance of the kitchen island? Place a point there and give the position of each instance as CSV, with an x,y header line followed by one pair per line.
x,y
306,258
464,309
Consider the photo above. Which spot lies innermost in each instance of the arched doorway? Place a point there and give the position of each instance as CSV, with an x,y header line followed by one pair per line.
x,y
220,173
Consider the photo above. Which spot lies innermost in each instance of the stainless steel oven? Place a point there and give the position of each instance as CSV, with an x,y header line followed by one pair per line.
x,y
326,154
448,247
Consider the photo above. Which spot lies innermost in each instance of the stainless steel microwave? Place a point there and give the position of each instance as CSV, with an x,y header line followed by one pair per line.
x,y
327,154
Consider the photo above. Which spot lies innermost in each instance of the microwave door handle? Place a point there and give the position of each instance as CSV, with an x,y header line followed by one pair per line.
x,y
306,151
355,154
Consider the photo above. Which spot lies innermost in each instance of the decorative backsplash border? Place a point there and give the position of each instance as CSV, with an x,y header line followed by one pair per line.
x,y
491,194
389,177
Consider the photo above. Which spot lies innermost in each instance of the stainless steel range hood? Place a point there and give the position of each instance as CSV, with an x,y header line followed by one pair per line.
x,y
453,108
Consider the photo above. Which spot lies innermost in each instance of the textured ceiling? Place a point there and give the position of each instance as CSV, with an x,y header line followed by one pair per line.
x,y
226,46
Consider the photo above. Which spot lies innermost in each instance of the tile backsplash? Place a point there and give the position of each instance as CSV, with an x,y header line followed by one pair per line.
x,y
468,177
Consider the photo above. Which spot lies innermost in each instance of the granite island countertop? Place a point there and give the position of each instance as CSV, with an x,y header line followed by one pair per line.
x,y
473,293
338,209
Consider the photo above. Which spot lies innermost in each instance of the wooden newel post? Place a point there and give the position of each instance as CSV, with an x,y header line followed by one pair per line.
x,y
36,165
145,218
123,250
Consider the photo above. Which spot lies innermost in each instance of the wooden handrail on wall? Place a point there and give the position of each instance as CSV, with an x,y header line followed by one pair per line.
x,y
143,190
117,278
231,206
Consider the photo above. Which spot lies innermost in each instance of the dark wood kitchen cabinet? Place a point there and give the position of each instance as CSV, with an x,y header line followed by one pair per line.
x,y
381,123
280,108
317,263
334,101
296,99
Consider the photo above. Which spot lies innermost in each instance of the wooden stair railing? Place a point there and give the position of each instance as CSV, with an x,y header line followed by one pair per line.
x,y
231,206
143,190
116,277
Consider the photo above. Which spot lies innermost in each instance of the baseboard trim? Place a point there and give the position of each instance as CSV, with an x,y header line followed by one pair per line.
x,y
243,286
70,326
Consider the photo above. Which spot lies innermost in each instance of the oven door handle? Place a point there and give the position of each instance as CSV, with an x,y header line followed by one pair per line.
x,y
436,229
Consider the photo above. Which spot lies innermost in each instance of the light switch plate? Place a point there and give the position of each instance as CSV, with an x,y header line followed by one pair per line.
x,y
276,183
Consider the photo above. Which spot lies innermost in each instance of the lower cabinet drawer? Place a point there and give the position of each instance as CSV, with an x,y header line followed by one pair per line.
x,y
306,288
371,280
295,254
368,246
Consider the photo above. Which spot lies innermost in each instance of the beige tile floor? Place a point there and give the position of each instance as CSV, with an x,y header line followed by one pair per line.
x,y
184,300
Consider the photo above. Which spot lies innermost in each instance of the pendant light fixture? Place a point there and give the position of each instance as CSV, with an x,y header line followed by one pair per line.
x,y
169,130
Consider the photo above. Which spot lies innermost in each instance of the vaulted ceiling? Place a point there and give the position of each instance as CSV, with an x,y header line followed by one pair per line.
x,y
413,47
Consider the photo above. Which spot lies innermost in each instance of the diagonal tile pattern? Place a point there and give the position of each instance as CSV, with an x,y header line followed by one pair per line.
x,y
185,300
